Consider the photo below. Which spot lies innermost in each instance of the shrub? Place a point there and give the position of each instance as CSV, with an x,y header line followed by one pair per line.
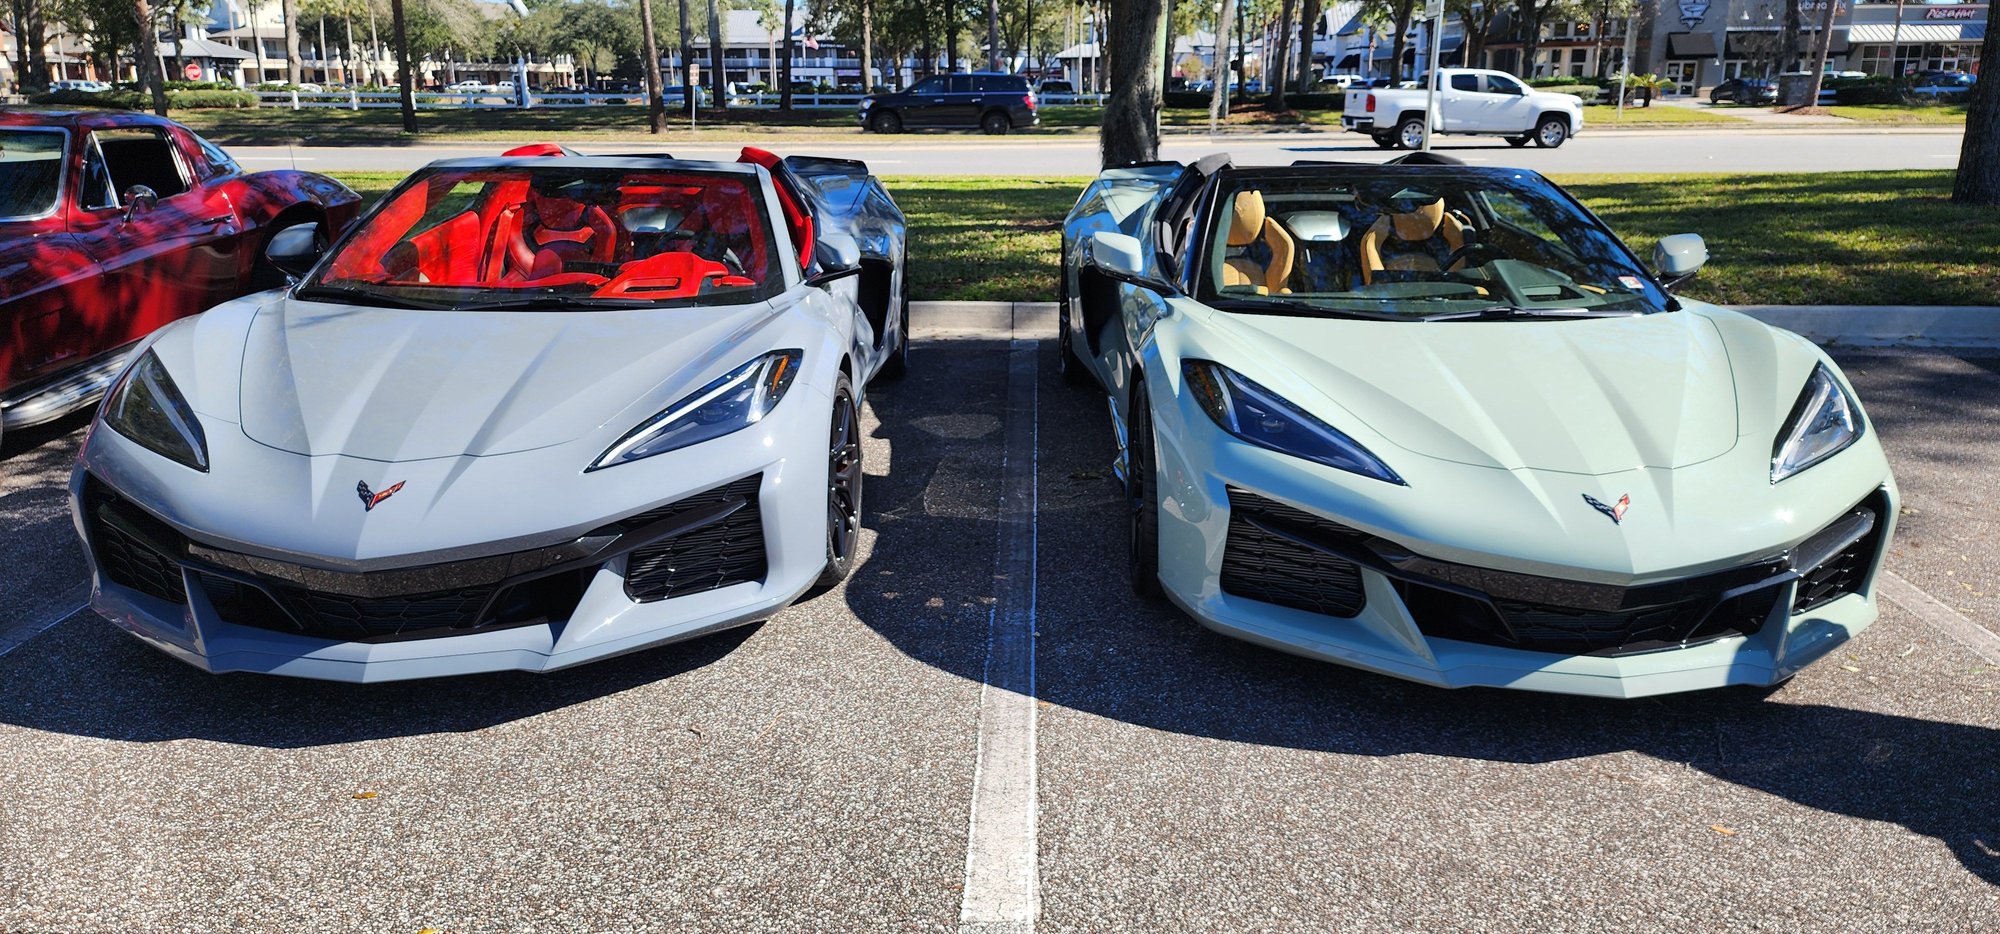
x,y
139,100
1553,82
1589,92
1875,89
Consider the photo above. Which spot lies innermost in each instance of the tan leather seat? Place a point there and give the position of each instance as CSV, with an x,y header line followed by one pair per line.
x,y
1250,224
1415,226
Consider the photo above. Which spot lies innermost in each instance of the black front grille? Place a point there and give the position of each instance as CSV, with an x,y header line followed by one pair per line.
x,y
322,615
133,549
1576,631
1260,561
718,554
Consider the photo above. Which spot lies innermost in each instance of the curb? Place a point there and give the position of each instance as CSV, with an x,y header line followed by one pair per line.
x,y
1909,327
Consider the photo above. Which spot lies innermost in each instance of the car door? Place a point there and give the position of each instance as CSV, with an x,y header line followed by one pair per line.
x,y
161,263
926,101
1508,109
46,276
1465,103
961,102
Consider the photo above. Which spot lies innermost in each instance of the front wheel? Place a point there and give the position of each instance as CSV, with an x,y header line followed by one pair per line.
x,y
889,122
995,124
843,486
1410,133
1551,132
1142,494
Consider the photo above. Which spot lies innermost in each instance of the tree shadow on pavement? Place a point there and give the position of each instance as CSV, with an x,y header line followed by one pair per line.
x,y
1102,651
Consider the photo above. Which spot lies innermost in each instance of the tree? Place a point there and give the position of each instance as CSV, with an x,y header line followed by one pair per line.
x,y
147,57
1820,49
657,105
31,40
1131,129
1279,71
785,68
1309,22
294,66
1476,19
718,87
993,35
406,72
1218,101
1979,156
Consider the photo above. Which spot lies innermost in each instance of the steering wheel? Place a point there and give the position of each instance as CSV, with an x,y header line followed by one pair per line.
x,y
1473,248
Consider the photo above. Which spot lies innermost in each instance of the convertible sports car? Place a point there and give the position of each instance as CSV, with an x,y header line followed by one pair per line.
x,y
113,224
1438,422
529,412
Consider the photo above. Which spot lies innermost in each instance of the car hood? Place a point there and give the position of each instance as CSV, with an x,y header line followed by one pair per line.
x,y
1592,396
401,385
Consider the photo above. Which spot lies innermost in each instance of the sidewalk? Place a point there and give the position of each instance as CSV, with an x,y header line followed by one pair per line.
x,y
1903,327
1763,117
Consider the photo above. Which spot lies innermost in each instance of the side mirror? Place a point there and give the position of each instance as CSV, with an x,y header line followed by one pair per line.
x,y
1123,258
1678,257
295,249
836,256
139,201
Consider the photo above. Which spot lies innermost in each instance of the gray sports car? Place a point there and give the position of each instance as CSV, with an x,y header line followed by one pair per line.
x,y
528,412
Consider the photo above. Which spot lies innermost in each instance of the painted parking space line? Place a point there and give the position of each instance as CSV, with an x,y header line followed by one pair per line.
x,y
1982,641
1002,881
19,635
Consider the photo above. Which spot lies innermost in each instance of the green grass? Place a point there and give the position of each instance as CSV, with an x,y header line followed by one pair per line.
x,y
1913,114
1848,238
1599,116
330,126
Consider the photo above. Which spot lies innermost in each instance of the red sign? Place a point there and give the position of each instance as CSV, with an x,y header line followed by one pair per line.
x,y
192,71
1958,12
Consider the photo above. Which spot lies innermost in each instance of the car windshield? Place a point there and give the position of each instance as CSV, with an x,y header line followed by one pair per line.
x,y
553,236
30,172
1415,243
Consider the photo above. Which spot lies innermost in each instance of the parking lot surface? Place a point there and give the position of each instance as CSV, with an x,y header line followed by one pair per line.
x,y
816,772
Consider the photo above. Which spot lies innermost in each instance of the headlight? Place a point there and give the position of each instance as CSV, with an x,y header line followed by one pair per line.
x,y
867,103
1823,423
1257,415
734,401
148,408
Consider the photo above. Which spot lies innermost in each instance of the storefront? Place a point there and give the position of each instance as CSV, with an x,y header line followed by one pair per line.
x,y
1701,43
1930,37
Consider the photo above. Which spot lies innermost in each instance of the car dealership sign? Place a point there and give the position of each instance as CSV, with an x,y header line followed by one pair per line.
x,y
1953,12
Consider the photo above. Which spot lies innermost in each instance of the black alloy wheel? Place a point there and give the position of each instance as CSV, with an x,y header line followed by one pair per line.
x,y
886,122
843,486
995,124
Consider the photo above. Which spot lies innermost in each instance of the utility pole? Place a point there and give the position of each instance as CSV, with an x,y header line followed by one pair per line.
x,y
1433,17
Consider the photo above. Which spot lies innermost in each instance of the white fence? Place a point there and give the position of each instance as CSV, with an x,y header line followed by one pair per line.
x,y
508,99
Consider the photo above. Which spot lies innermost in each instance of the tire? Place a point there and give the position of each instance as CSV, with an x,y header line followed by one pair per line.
x,y
1551,131
898,363
1519,141
1142,494
1410,133
887,122
1714,98
995,124
843,486
1383,140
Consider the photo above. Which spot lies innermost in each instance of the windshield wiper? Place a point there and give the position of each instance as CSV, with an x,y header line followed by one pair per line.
x,y
539,302
1282,306
348,293
1516,313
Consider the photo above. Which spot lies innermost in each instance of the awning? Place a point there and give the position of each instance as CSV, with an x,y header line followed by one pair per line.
x,y
1691,45
1765,41
203,48
1919,32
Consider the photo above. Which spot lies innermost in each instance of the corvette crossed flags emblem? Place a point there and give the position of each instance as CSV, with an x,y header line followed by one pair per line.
x,y
1615,512
371,499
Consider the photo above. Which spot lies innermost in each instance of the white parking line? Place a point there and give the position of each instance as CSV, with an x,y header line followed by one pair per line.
x,y
20,635
1982,641
1002,882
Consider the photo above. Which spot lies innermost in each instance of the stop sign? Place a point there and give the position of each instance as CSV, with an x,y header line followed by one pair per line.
x,y
192,71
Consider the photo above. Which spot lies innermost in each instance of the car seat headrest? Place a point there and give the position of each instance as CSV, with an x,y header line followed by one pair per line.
x,y
1246,223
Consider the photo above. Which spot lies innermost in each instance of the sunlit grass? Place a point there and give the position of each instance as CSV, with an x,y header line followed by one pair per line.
x,y
1930,114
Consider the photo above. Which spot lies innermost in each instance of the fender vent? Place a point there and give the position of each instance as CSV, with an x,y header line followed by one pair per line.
x,y
720,554
1260,566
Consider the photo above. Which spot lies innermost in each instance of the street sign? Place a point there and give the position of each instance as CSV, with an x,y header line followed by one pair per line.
x,y
1433,9
192,71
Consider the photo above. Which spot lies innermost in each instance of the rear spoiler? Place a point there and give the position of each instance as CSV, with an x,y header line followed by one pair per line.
x,y
826,165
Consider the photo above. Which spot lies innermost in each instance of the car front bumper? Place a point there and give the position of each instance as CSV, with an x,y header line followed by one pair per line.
x,y
741,535
1416,607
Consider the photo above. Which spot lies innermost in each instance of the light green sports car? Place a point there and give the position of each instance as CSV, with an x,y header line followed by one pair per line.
x,y
1438,422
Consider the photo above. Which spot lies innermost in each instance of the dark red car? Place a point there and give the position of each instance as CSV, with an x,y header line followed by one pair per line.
x,y
113,224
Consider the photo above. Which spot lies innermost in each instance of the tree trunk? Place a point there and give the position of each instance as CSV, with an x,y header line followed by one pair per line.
x,y
950,42
294,68
867,46
147,56
687,58
1788,43
1979,156
1405,10
1532,12
1309,17
657,109
1131,130
1280,71
353,61
325,73
993,35
718,83
785,67
257,43
31,39
1218,98
406,72
1820,50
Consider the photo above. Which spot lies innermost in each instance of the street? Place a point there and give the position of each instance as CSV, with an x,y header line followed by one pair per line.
x,y
1679,150
817,771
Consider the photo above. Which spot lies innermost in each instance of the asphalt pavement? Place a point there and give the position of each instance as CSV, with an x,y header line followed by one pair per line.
x,y
817,771
1670,150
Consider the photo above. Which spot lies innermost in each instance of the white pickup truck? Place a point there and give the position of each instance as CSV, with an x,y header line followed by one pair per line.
x,y
1470,101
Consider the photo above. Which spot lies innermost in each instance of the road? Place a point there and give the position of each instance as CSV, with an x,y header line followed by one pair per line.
x,y
816,772
1685,150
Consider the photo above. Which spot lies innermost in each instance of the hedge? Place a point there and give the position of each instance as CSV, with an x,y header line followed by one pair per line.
x,y
137,100
1589,92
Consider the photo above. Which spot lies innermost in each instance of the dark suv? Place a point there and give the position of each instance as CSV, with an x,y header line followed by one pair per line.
x,y
992,102
1745,91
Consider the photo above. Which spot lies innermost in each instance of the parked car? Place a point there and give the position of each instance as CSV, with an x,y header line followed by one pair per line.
x,y
1470,101
470,86
1055,87
1341,82
675,97
1745,91
87,87
995,103
113,224
1943,79
667,363
1438,422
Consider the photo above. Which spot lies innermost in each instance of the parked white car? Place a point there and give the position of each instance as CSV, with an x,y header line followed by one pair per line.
x,y
88,87
470,86
1471,101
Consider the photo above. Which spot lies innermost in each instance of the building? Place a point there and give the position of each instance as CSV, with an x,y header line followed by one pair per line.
x,y
1700,43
